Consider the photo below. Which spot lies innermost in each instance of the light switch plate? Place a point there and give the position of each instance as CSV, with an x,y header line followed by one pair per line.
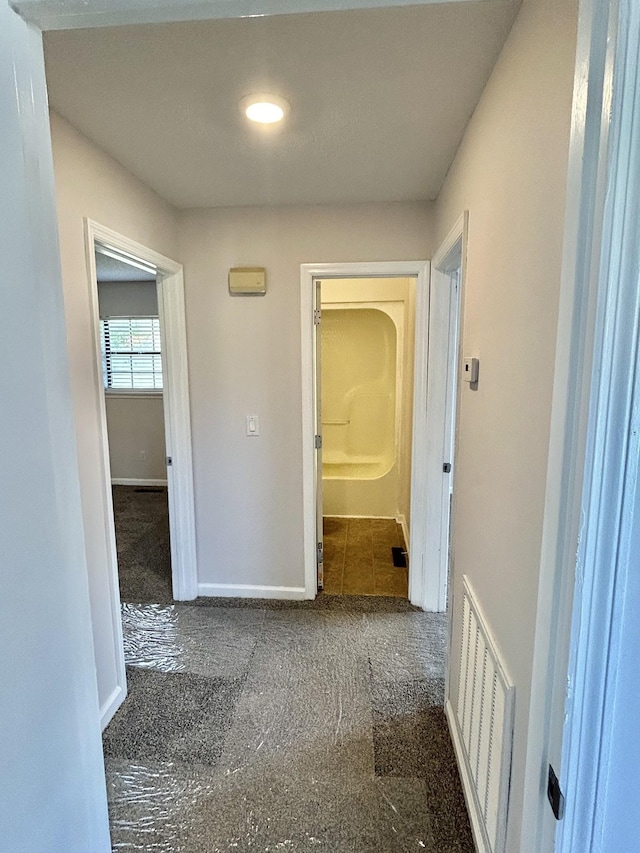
x,y
253,425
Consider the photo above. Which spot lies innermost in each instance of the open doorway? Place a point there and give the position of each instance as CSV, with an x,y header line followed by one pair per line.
x,y
364,362
131,347
430,427
153,349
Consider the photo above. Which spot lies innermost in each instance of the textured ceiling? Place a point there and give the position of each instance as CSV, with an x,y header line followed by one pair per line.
x,y
379,100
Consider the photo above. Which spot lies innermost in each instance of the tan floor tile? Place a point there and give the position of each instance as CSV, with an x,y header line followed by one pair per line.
x,y
384,527
391,582
358,577
382,552
358,557
358,536
333,583
334,528
333,553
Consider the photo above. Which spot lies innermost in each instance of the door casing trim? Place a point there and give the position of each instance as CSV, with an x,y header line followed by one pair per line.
x,y
420,270
177,432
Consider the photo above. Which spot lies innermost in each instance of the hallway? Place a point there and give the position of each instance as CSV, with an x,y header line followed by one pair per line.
x,y
275,725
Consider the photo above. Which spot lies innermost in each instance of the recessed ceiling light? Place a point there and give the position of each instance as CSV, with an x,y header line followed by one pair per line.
x,y
264,109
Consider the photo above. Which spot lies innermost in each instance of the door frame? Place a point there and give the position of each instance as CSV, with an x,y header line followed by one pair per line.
x,y
564,730
373,269
435,424
177,421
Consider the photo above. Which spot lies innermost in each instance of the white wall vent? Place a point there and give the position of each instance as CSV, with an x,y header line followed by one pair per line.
x,y
482,727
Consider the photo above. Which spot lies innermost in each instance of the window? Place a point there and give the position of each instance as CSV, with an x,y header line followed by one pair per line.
x,y
131,353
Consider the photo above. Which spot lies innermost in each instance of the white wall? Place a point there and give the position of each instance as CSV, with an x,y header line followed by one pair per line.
x,y
91,184
510,173
135,421
244,357
52,789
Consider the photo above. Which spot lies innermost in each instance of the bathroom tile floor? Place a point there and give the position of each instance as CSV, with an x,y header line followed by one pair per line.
x,y
266,726
357,557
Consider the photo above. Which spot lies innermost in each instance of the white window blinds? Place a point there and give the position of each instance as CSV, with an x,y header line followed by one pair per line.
x,y
131,352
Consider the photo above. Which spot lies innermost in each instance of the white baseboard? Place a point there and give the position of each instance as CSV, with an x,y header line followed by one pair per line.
x,y
112,704
383,517
477,825
402,521
242,590
133,481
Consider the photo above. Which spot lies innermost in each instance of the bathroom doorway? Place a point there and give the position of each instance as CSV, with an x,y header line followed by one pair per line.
x,y
364,390
420,446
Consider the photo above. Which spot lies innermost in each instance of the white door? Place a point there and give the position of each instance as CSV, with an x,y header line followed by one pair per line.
x,y
441,400
317,316
437,325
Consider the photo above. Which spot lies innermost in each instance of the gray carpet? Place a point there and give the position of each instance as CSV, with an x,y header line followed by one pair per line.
x,y
142,539
260,726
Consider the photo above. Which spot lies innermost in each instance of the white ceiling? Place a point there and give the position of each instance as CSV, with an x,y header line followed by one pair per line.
x,y
379,100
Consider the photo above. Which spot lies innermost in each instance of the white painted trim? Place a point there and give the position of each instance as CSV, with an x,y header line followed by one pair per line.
x,y
177,419
74,14
586,188
104,472
429,514
381,517
131,393
603,662
308,273
309,497
244,590
111,705
176,405
402,521
132,481
466,779
447,257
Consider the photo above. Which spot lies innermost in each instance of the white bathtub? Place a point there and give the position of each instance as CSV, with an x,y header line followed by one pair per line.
x,y
361,405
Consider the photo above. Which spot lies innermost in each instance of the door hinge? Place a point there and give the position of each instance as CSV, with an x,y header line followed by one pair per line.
x,y
317,316
319,553
555,795
318,442
446,468
169,460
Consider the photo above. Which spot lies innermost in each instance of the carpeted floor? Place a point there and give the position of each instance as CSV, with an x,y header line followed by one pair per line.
x,y
141,519
275,725
253,726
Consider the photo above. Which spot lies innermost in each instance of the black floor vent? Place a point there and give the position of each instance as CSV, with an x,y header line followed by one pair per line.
x,y
399,557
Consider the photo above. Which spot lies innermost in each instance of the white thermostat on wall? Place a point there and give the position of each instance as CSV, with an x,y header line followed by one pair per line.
x,y
248,280
471,370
